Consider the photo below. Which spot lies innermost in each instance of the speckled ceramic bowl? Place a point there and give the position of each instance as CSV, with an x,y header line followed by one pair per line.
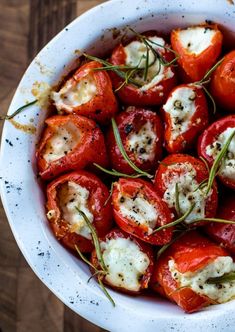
x,y
21,193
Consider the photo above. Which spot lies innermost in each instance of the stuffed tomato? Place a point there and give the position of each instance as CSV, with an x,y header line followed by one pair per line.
x,y
138,210
88,92
129,262
78,191
141,134
68,143
188,273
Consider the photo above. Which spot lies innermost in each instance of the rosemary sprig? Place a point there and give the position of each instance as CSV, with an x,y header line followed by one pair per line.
x,y
123,151
222,221
19,110
228,277
206,163
106,293
116,173
110,194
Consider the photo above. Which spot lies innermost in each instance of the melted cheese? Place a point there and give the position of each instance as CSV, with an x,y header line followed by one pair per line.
x,y
136,56
125,262
71,196
181,107
228,167
197,281
143,142
196,39
186,188
62,142
75,94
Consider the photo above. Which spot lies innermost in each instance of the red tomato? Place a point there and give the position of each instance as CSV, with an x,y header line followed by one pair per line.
x,y
147,150
190,253
188,172
194,64
143,247
224,233
185,117
155,94
61,196
89,93
212,141
68,143
138,210
223,83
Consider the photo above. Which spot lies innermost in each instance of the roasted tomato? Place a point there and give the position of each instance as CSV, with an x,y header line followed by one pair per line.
x,y
88,92
129,262
138,210
69,142
185,173
198,48
186,116
182,272
160,79
78,190
223,83
224,233
211,143
141,133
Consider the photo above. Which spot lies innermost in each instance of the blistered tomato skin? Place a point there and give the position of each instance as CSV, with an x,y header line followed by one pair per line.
x,y
87,80
97,195
69,142
141,133
223,83
190,253
211,139
186,116
194,64
138,210
143,96
146,249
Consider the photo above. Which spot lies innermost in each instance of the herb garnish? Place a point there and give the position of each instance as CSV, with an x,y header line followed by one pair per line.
x,y
19,110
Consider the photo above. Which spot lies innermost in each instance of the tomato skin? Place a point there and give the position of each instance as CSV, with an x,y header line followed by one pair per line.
x,y
131,187
191,253
224,233
134,118
199,122
96,202
132,95
103,105
209,136
196,66
201,174
147,249
90,148
223,83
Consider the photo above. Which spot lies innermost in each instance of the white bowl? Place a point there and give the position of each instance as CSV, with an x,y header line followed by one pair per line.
x,y
23,198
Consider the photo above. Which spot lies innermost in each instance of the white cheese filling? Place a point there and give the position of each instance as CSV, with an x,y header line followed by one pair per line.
x,y
228,167
181,107
75,94
71,196
196,39
136,53
62,142
143,142
125,262
197,281
187,184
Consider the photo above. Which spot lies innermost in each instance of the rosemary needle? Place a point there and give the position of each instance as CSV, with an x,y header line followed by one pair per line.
x,y
18,111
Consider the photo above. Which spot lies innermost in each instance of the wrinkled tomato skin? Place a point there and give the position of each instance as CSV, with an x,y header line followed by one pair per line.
x,y
90,149
223,83
190,253
209,136
97,204
134,118
196,66
199,122
201,174
131,187
144,247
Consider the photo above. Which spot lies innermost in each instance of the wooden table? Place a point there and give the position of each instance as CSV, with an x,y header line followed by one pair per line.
x,y
25,303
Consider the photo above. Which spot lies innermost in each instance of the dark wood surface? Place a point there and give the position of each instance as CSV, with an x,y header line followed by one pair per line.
x,y
25,303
